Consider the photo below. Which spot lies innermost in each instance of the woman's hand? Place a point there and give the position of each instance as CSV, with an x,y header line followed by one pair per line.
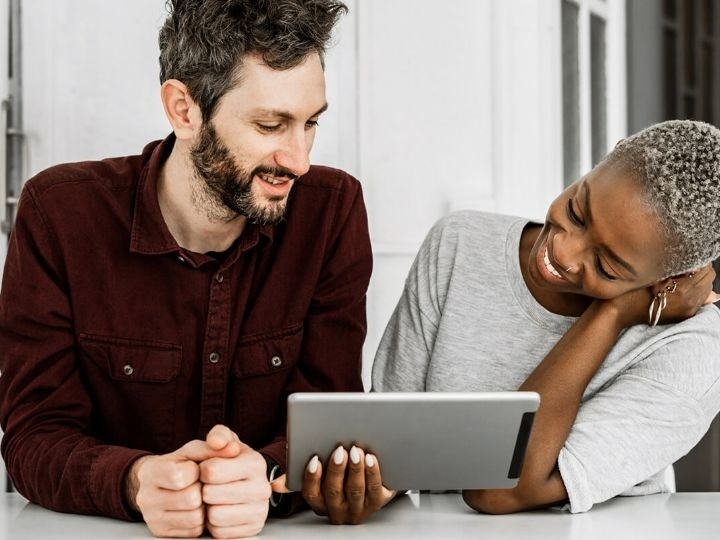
x,y
345,498
685,295
692,291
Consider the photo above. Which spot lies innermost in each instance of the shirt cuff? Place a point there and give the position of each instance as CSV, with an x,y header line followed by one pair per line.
x,y
107,482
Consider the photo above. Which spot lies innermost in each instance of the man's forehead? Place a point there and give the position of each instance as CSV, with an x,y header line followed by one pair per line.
x,y
263,89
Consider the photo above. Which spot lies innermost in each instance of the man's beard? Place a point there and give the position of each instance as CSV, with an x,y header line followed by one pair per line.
x,y
224,190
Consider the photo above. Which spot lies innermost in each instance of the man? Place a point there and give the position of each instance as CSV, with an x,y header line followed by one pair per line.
x,y
156,310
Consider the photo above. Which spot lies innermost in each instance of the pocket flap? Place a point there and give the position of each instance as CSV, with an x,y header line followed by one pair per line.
x,y
268,353
133,360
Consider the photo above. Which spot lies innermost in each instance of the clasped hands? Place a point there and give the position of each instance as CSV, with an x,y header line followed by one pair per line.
x,y
219,484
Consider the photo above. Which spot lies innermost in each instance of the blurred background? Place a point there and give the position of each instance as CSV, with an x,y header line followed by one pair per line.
x,y
434,106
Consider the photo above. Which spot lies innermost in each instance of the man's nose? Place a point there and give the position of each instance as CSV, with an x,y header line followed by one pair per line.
x,y
294,154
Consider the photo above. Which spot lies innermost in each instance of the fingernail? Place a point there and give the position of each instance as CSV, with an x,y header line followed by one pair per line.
x,y
339,455
369,460
354,455
313,465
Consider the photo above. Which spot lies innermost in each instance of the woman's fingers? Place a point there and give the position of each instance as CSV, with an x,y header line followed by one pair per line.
x,y
377,494
312,486
355,485
349,489
333,486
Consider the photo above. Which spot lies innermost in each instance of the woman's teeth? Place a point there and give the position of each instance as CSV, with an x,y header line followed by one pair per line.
x,y
549,266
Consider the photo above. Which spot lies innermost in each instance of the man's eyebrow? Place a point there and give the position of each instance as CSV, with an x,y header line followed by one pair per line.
x,y
321,110
286,115
610,253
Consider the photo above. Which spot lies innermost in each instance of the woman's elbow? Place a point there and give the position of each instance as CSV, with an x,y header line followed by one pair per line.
x,y
507,501
493,501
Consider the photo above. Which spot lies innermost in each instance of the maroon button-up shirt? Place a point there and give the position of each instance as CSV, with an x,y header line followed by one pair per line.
x,y
116,342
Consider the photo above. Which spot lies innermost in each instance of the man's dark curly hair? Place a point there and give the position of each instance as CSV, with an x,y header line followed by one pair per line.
x,y
203,42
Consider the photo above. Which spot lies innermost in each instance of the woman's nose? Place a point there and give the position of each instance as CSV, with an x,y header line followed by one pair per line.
x,y
568,250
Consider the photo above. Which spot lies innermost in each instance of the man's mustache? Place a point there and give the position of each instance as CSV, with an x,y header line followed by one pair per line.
x,y
277,172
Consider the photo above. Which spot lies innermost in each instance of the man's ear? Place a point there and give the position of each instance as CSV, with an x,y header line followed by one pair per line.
x,y
181,110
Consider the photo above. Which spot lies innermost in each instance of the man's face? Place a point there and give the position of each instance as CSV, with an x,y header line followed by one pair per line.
x,y
258,142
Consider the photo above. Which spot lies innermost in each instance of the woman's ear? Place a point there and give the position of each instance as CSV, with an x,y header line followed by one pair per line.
x,y
181,110
664,285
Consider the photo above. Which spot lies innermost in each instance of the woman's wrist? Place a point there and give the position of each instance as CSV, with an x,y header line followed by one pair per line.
x,y
615,315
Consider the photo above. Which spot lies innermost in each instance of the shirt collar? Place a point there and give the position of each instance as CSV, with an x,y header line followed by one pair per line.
x,y
150,234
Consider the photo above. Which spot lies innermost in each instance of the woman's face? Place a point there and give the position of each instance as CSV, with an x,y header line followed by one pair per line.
x,y
600,239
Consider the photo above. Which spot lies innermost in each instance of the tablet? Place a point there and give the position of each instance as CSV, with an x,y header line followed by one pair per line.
x,y
423,440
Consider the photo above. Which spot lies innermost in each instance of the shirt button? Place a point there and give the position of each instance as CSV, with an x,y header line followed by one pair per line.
x,y
214,357
181,259
276,361
128,370
219,277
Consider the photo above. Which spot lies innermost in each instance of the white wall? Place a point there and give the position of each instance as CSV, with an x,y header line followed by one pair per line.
x,y
90,78
434,106
459,108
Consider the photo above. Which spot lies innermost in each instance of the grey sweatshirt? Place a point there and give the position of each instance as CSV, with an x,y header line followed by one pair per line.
x,y
467,322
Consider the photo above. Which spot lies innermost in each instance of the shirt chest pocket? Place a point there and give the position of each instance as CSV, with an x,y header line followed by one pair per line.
x,y
133,385
262,371
133,360
268,353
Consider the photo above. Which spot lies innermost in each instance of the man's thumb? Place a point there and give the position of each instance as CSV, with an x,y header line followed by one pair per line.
x,y
198,451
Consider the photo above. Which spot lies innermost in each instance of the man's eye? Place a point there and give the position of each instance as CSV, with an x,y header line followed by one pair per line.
x,y
312,124
601,269
573,215
269,127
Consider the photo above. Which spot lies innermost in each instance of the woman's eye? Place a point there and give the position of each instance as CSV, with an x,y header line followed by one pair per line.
x,y
601,269
573,215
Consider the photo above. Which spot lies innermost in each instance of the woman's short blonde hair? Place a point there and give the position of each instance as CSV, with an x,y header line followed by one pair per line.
x,y
677,163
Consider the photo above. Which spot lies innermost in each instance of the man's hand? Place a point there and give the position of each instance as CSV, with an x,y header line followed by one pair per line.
x,y
219,483
167,492
341,499
235,488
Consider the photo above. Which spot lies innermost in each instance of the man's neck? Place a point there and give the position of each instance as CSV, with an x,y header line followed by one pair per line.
x,y
186,219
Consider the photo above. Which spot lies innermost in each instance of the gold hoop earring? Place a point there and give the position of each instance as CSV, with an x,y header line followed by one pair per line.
x,y
659,302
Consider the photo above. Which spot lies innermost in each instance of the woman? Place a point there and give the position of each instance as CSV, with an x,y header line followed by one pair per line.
x,y
579,310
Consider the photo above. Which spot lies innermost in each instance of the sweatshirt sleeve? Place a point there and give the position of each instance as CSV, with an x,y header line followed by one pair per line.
x,y
648,417
405,352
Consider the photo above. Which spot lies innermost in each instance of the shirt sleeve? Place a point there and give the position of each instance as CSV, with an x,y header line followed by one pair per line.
x,y
45,408
335,325
649,416
403,357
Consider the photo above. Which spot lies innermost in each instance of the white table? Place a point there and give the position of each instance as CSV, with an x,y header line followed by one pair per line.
x,y
680,516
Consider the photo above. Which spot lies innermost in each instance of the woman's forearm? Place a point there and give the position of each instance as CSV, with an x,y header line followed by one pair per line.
x,y
560,379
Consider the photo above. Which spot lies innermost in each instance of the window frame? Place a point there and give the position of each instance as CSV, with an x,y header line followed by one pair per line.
x,y
612,14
